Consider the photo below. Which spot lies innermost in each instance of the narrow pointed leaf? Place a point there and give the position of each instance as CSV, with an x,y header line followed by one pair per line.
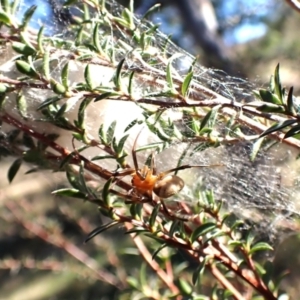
x,y
105,191
22,105
210,118
158,250
111,132
100,229
290,102
13,170
96,39
24,68
88,78
271,108
65,75
202,230
121,143
46,66
278,87
28,15
255,148
154,215
40,40
118,77
295,130
74,193
186,84
106,95
278,126
151,10
262,246
267,96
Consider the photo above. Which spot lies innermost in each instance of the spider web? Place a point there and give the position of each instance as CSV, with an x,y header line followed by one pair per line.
x,y
262,191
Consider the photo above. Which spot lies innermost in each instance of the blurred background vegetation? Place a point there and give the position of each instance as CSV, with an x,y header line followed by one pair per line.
x,y
41,246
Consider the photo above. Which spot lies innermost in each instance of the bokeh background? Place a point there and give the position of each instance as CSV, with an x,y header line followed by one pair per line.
x,y
42,254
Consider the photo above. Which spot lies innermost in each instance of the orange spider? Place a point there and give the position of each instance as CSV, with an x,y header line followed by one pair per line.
x,y
146,181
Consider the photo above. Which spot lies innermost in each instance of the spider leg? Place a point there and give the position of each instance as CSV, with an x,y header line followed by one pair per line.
x,y
153,164
123,173
135,162
189,167
131,198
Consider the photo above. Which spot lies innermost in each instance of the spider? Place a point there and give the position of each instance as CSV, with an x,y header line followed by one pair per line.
x,y
147,182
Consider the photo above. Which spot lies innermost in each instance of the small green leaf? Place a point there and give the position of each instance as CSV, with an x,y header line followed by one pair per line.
x,y
186,83
23,49
174,227
118,77
81,179
120,146
105,192
100,157
131,124
13,170
143,275
290,102
169,73
136,210
3,88
210,118
49,101
170,77
151,10
236,225
111,132
278,87
88,78
130,84
133,282
158,250
262,246
295,130
255,148
100,229
200,270
58,88
28,15
136,230
81,112
22,105
26,40
181,158
65,75
24,68
271,108
79,35
278,126
202,230
185,287
267,96
102,135
60,113
153,216
46,64
106,95
70,193
96,40
40,40
5,18
72,178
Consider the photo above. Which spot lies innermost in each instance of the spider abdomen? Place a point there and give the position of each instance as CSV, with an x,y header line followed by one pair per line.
x,y
168,186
